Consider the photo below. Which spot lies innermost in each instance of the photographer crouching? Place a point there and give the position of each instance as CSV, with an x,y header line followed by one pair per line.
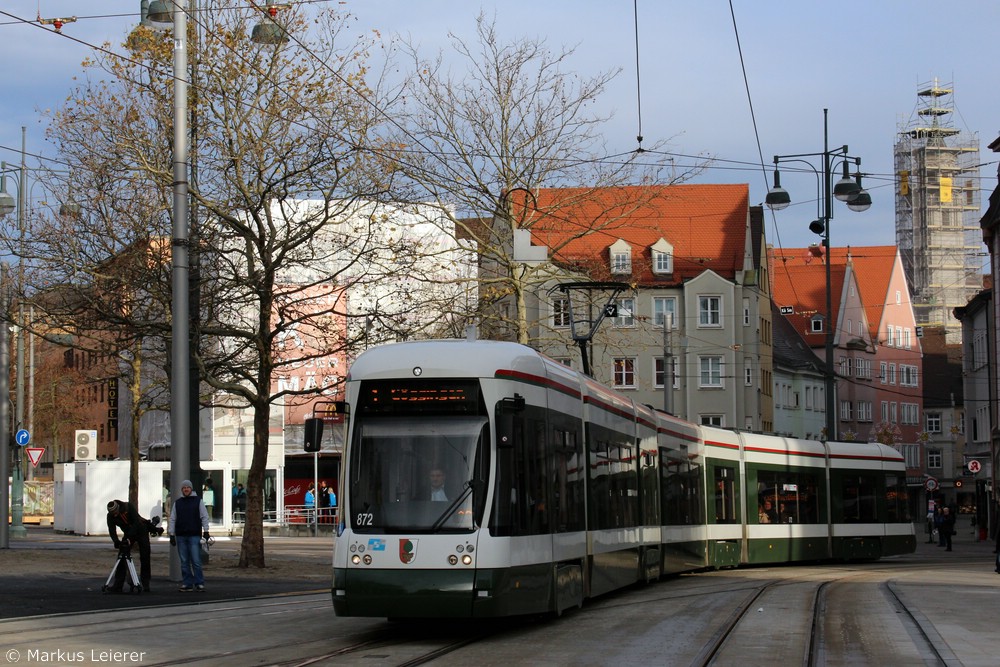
x,y
135,530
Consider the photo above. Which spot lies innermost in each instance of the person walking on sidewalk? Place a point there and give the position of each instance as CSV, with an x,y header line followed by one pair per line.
x,y
188,525
947,526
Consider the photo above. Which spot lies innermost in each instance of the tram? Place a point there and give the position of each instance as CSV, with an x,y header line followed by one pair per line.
x,y
484,479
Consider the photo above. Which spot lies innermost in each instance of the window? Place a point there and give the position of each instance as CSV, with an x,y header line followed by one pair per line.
x,y
883,372
748,372
788,497
892,373
621,257
892,412
864,411
624,375
662,262
888,336
933,458
560,312
621,262
885,411
933,421
816,324
658,373
712,420
846,411
710,371
710,311
746,312
626,313
665,307
663,257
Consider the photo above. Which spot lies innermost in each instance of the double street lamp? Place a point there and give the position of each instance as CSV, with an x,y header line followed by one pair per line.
x,y
847,190
164,14
8,205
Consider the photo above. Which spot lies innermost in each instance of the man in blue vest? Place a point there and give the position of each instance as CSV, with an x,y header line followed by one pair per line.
x,y
188,525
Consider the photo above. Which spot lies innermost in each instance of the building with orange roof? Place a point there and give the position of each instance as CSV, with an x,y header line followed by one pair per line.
x,y
879,360
799,292
689,261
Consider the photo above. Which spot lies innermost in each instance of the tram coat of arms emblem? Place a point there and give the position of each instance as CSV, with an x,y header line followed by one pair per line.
x,y
407,550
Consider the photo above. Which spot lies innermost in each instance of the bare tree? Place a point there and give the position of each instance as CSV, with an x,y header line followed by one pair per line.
x,y
485,131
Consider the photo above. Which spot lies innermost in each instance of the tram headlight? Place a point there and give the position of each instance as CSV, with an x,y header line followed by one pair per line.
x,y
355,559
466,559
367,559
452,559
459,548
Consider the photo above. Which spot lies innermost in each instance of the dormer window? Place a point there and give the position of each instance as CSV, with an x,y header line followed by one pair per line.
x,y
621,257
816,324
663,257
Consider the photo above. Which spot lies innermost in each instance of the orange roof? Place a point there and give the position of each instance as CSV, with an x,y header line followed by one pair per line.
x,y
802,287
705,224
872,270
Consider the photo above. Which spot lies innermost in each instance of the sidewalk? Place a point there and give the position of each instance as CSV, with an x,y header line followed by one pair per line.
x,y
49,572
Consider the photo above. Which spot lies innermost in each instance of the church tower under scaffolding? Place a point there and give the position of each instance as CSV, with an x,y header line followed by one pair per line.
x,y
938,210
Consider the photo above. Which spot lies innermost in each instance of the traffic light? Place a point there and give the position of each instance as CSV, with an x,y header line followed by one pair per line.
x,y
313,434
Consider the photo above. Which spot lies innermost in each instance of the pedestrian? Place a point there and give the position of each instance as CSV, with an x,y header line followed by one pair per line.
x,y
938,517
135,530
947,526
324,501
240,498
188,525
310,498
996,543
208,496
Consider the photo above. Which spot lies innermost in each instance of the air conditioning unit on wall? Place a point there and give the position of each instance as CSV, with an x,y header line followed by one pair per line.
x,y
86,446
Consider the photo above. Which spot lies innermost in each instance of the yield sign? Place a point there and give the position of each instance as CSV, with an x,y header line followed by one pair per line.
x,y
34,454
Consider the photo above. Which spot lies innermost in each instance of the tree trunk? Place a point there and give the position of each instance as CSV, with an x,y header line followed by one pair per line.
x,y
252,546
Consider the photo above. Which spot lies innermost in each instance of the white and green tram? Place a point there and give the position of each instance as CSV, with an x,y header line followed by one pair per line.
x,y
483,479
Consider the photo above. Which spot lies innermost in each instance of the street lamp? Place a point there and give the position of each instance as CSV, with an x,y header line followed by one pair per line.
x,y
160,15
847,190
8,205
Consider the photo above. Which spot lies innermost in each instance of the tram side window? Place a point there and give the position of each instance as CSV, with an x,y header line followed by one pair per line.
x,y
567,493
897,499
520,502
726,505
613,493
683,494
784,496
859,499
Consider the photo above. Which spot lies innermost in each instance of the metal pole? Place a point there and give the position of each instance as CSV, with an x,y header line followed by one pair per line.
x,y
315,494
668,366
831,386
180,465
4,411
17,528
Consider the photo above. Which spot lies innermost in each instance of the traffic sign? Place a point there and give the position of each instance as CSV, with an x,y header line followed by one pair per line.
x,y
974,466
22,437
931,484
34,454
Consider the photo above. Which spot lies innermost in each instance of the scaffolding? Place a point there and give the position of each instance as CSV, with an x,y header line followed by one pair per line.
x,y
938,210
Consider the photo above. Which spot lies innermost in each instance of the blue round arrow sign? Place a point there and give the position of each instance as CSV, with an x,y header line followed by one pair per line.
x,y
22,437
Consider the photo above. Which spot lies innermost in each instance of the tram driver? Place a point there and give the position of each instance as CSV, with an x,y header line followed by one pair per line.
x,y
437,484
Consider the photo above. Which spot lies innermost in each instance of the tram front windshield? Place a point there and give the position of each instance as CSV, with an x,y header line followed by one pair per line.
x,y
417,474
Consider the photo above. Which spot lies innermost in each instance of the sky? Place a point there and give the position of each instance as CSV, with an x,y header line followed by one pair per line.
x,y
863,60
